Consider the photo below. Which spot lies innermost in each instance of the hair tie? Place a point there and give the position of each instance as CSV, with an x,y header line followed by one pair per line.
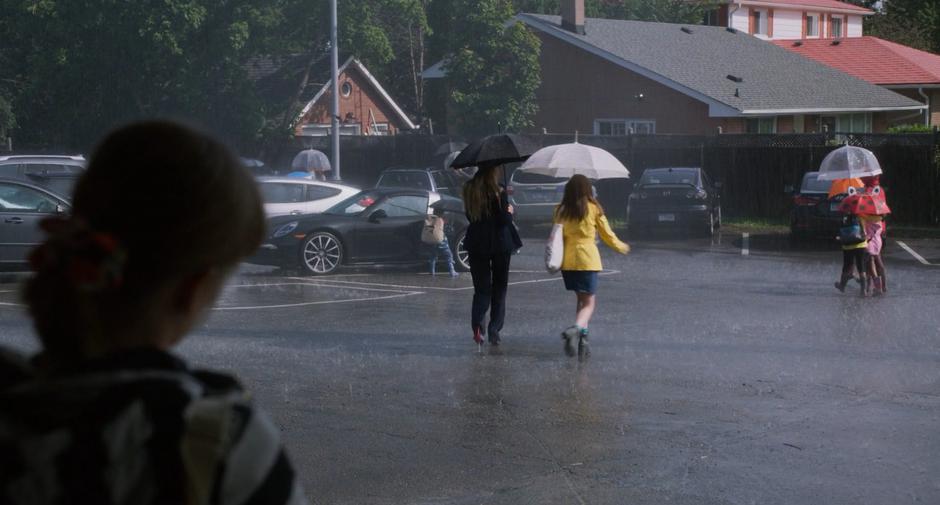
x,y
92,261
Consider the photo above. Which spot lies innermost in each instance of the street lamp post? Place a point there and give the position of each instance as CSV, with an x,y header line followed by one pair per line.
x,y
334,69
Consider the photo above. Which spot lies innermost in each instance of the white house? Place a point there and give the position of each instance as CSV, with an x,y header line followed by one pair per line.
x,y
792,19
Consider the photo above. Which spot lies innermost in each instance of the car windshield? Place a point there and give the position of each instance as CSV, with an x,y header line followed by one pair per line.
x,y
812,184
414,179
355,204
523,177
673,176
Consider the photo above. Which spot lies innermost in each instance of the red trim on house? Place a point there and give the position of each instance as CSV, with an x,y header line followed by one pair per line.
x,y
770,23
803,35
750,20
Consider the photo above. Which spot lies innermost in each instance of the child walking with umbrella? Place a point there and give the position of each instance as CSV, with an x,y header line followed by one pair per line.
x,y
582,218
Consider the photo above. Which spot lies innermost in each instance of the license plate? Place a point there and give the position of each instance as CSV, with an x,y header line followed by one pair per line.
x,y
667,218
540,197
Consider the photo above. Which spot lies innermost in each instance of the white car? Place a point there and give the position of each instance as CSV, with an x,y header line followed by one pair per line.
x,y
294,196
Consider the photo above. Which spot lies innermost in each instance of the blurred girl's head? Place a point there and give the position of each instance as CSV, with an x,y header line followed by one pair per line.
x,y
481,194
578,193
159,218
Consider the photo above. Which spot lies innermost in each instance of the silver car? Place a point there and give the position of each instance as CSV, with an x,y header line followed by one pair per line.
x,y
22,207
57,173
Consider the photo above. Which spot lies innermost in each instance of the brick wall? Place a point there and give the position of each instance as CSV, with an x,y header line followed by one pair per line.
x,y
363,98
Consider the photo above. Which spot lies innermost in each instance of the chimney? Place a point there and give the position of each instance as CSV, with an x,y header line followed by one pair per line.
x,y
572,16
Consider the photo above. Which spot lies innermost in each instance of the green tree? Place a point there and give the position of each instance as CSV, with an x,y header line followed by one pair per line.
x,y
80,68
914,23
492,67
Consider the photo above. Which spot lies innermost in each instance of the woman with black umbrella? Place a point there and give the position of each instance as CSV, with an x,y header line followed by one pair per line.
x,y
491,238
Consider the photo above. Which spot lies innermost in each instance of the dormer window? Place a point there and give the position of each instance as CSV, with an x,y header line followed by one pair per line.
x,y
835,30
759,22
812,25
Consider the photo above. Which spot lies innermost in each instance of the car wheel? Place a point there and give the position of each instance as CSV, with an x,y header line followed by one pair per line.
x,y
321,253
461,256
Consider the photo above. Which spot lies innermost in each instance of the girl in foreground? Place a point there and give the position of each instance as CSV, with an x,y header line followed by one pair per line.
x,y
582,218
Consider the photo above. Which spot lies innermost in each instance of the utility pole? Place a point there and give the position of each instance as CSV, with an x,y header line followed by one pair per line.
x,y
334,68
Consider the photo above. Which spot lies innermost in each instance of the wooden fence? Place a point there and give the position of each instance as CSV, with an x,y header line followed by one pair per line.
x,y
755,170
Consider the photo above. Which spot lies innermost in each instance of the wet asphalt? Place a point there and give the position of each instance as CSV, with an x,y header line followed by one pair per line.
x,y
724,371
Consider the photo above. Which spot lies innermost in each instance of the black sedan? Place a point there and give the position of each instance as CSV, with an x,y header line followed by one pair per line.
x,y
675,198
375,226
814,214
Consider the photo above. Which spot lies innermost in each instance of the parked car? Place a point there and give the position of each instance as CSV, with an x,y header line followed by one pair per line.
x,y
534,196
378,226
678,197
444,181
293,196
57,173
814,214
22,207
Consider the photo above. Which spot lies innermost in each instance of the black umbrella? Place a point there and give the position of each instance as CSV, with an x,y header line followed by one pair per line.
x,y
450,147
495,150
448,203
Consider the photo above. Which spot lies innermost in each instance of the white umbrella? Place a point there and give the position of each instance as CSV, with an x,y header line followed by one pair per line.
x,y
311,160
566,160
848,162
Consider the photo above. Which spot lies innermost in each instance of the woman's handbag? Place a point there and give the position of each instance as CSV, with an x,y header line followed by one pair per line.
x,y
555,249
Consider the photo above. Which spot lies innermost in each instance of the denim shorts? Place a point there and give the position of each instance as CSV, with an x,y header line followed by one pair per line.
x,y
581,281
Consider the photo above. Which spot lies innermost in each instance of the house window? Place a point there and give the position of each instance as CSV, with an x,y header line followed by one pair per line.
x,y
760,22
322,130
836,30
853,123
812,25
624,126
380,129
761,125
346,89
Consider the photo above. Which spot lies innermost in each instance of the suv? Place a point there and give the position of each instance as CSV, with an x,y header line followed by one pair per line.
x,y
58,173
675,197
439,180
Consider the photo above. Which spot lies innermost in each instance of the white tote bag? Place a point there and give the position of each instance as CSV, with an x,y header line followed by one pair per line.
x,y
555,249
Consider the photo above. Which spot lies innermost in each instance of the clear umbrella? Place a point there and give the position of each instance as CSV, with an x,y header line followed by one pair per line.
x,y
566,160
847,162
311,160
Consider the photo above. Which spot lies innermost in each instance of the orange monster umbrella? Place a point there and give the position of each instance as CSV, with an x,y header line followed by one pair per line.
x,y
841,186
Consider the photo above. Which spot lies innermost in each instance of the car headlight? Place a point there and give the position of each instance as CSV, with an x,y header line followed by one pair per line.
x,y
284,229
699,194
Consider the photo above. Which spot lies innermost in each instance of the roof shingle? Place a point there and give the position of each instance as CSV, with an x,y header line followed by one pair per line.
x,y
699,60
872,59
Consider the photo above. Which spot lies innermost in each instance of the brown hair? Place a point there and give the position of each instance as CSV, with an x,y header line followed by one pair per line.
x,y
160,202
574,204
481,194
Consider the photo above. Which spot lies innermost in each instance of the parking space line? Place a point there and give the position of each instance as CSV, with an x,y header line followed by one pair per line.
x,y
322,302
324,283
745,244
463,288
913,253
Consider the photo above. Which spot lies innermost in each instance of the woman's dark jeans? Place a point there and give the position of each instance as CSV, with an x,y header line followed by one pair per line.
x,y
490,274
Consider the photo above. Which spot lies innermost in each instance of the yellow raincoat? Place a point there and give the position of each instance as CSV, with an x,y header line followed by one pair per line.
x,y
580,247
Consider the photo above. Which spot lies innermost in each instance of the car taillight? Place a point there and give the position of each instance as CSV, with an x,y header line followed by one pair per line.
x,y
804,200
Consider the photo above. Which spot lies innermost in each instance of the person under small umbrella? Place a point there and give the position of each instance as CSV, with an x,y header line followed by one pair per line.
x,y
313,162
